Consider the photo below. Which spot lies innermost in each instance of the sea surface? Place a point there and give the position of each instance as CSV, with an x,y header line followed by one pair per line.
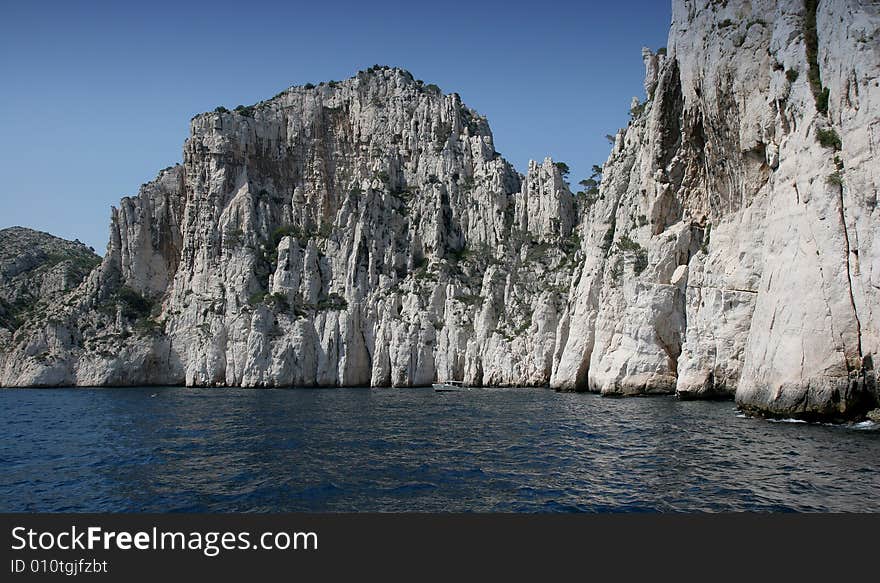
x,y
487,450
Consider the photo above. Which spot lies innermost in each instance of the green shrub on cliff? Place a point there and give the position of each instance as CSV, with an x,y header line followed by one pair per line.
x,y
829,139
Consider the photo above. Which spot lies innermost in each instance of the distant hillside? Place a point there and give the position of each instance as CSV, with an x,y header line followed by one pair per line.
x,y
35,265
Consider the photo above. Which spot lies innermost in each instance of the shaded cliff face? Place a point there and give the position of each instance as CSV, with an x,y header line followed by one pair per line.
x,y
366,232
36,266
751,206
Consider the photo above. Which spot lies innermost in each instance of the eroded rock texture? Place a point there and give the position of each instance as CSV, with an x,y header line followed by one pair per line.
x,y
34,266
754,207
367,232
360,232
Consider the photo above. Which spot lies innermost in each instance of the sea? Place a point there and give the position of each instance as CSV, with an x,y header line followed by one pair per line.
x,y
416,450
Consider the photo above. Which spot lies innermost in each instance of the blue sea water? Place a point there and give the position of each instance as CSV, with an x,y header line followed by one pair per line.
x,y
490,450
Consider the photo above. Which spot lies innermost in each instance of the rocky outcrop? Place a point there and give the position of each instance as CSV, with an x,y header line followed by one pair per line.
x,y
37,266
359,232
367,232
37,274
738,217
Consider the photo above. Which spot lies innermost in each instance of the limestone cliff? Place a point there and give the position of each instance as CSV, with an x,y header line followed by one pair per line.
x,y
367,232
738,216
359,232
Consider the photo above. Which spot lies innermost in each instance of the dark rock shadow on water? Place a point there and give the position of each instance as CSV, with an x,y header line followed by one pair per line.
x,y
494,450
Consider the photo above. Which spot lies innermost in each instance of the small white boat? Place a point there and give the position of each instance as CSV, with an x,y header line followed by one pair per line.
x,y
450,387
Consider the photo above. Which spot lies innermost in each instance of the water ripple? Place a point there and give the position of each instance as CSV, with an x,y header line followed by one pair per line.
x,y
498,450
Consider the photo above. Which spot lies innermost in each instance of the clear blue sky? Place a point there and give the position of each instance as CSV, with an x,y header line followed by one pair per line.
x,y
96,97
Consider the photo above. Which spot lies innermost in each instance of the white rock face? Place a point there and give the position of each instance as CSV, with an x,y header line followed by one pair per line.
x,y
354,233
759,238
366,232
